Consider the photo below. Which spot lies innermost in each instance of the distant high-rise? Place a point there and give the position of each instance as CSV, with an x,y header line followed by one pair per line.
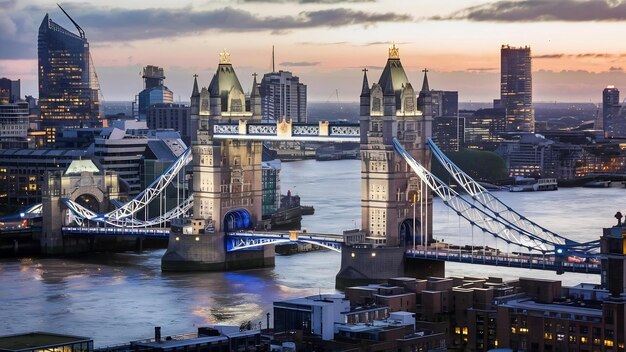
x,y
516,88
9,91
610,108
155,92
13,124
443,108
170,116
69,92
282,94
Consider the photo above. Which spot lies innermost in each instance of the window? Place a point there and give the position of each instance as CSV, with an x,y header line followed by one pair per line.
x,y
376,104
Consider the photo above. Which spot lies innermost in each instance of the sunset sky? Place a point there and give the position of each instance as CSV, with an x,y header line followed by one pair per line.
x,y
579,47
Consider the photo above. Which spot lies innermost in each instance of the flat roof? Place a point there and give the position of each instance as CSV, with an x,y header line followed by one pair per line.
x,y
179,343
37,340
529,304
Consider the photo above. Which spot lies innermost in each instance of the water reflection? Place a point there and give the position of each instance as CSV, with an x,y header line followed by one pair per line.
x,y
116,298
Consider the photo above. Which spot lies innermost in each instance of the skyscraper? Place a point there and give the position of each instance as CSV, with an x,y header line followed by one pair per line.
x,y
282,94
155,91
610,108
516,88
9,91
69,92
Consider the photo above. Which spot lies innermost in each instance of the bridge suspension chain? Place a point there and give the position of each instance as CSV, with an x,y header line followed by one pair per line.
x,y
474,215
493,204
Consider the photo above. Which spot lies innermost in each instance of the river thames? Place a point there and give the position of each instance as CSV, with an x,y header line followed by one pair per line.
x,y
115,298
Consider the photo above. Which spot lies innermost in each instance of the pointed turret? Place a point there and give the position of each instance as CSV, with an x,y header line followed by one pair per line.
x,y
392,81
255,87
365,90
195,92
225,89
365,95
425,87
425,98
195,109
255,99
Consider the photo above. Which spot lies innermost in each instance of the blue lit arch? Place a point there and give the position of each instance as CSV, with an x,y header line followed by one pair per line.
x,y
406,232
237,220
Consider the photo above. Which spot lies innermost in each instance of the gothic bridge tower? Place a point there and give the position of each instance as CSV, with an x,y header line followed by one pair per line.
x,y
389,189
227,176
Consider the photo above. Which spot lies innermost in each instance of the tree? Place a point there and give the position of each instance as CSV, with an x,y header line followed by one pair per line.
x,y
480,165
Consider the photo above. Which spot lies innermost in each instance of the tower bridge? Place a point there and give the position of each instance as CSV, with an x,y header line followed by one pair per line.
x,y
214,227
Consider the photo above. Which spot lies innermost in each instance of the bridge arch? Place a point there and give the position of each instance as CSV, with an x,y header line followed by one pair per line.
x,y
237,220
405,232
89,201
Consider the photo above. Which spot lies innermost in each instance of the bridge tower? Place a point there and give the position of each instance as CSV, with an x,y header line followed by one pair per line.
x,y
84,183
389,189
227,179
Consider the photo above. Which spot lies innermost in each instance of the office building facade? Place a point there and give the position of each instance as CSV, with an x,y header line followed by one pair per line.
x,y
13,124
516,88
483,128
23,172
155,92
122,148
443,108
171,116
282,95
69,92
9,91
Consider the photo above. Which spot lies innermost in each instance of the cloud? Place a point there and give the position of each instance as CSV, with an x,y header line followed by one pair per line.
x,y
481,69
594,55
354,44
549,56
322,43
135,24
368,67
542,10
308,1
299,63
18,28
18,38
580,56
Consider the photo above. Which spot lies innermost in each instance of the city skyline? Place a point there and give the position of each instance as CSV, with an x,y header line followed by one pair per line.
x,y
327,42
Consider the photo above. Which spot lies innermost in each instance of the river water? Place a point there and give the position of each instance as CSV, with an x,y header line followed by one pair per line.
x,y
115,298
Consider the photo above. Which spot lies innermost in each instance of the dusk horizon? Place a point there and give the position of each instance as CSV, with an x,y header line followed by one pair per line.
x,y
327,43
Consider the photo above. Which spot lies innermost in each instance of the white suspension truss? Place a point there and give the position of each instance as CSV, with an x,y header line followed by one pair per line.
x,y
493,204
238,241
33,212
153,191
123,212
474,215
80,214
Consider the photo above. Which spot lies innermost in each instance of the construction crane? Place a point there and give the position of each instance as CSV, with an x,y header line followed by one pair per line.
x,y
336,94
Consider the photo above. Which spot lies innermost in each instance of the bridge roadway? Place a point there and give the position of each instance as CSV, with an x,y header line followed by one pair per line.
x,y
246,240
286,130
236,241
117,231
501,259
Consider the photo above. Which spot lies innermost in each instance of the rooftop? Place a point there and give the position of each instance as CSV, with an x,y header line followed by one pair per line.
x,y
71,153
580,308
37,340
77,167
173,343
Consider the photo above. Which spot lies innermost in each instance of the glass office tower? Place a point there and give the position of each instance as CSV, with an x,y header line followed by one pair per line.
x,y
69,92
516,89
